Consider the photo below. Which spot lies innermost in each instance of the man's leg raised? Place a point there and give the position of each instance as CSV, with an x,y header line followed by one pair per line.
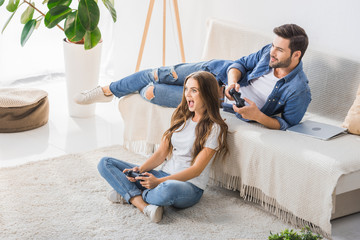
x,y
132,83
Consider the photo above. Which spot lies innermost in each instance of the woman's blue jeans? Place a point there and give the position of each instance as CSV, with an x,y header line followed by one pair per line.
x,y
169,193
167,82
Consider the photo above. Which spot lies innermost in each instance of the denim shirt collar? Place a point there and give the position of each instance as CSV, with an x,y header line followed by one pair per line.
x,y
294,72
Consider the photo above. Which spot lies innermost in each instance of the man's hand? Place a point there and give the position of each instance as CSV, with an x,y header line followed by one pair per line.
x,y
233,76
250,112
229,87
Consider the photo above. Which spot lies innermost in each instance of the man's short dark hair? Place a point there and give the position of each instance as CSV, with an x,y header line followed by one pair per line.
x,y
297,36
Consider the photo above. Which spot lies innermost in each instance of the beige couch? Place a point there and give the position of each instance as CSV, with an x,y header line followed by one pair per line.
x,y
302,180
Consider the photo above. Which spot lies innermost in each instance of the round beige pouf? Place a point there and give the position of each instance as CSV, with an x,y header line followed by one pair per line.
x,y
22,109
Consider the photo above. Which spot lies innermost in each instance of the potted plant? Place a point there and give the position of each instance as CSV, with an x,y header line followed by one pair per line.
x,y
82,45
81,23
305,234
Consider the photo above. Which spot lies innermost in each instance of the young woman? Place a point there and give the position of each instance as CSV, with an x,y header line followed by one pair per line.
x,y
187,149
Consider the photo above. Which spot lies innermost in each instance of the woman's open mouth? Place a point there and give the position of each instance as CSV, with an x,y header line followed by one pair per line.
x,y
190,103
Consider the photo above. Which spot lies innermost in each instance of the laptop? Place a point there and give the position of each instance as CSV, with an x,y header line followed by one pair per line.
x,y
317,130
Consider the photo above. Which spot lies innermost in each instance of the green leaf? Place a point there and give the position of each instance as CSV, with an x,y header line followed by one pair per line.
x,y
53,3
74,31
56,15
92,38
27,31
89,14
45,2
27,14
12,5
2,2
110,6
7,22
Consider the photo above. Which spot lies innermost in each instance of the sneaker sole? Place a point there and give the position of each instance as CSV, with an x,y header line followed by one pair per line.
x,y
158,215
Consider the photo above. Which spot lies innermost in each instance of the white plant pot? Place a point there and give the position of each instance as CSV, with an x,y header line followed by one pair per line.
x,y
82,68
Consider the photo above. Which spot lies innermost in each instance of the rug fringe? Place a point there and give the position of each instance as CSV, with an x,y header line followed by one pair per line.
x,y
269,204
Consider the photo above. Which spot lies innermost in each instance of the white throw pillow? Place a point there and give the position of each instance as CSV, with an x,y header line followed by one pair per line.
x,y
352,120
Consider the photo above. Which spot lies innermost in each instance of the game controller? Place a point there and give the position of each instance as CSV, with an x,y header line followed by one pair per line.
x,y
240,102
134,174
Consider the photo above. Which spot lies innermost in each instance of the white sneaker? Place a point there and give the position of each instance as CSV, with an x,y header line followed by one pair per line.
x,y
92,96
114,197
154,212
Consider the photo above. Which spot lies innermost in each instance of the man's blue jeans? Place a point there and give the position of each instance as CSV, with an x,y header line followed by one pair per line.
x,y
167,81
169,193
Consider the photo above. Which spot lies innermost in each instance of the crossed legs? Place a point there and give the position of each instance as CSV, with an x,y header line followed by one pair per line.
x,y
150,201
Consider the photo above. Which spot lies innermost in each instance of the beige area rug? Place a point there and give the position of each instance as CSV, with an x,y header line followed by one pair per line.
x,y
65,198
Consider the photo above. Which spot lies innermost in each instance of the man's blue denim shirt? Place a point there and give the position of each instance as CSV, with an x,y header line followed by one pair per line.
x,y
290,97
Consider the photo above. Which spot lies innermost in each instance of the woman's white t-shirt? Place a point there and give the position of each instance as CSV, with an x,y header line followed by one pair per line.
x,y
181,158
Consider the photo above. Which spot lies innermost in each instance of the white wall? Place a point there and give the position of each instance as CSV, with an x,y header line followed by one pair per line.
x,y
332,26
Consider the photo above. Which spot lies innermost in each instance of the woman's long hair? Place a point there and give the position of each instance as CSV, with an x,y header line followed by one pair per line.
x,y
209,93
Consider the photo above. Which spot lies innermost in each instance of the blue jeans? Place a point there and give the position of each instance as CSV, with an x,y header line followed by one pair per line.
x,y
169,193
167,82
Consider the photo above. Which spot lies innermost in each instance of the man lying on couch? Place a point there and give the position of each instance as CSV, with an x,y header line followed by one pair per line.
x,y
271,81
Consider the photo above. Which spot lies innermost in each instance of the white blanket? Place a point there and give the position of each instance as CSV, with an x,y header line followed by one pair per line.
x,y
292,176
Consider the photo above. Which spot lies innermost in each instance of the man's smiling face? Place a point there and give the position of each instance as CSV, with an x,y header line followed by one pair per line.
x,y
280,53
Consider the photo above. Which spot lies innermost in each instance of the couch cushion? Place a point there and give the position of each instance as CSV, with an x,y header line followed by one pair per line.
x,y
22,109
331,78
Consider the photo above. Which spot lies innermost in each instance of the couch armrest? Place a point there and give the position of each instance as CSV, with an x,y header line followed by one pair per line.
x,y
144,123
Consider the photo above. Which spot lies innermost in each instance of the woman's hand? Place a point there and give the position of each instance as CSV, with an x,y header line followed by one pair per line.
x,y
149,181
134,169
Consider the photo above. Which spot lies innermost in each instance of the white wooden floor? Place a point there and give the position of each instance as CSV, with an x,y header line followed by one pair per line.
x,y
62,134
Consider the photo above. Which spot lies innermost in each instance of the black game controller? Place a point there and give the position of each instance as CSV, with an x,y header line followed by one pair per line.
x,y
240,102
134,174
